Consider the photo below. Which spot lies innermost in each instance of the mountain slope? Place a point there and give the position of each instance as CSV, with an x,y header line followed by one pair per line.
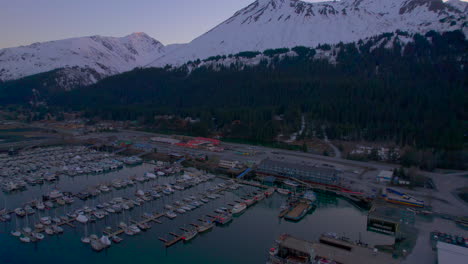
x,y
103,55
267,24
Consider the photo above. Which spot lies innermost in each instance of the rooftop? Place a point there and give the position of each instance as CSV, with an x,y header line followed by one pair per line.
x,y
296,166
453,254
297,244
386,213
348,253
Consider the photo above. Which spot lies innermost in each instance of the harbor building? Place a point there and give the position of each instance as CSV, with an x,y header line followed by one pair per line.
x,y
293,250
385,176
327,250
228,164
303,172
384,219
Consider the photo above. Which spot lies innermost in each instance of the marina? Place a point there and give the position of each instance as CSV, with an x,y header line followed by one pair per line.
x,y
87,220
172,210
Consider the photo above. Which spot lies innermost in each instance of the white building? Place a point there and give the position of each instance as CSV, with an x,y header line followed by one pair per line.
x,y
384,176
451,254
228,164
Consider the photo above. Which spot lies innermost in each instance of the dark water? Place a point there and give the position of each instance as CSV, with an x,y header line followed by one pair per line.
x,y
245,240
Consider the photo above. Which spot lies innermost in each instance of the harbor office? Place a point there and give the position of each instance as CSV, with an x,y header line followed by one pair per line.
x,y
326,176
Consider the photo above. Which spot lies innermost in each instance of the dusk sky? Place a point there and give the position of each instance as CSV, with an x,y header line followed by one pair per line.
x,y
176,21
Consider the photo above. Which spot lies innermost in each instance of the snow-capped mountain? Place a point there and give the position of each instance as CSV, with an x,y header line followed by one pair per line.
x,y
102,55
266,24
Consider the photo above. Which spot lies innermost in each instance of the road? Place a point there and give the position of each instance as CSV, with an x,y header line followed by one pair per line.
x,y
335,149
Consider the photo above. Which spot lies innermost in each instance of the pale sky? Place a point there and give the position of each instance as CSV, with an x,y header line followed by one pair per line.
x,y
170,21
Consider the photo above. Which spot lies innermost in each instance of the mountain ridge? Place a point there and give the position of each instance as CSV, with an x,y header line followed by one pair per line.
x,y
105,55
266,24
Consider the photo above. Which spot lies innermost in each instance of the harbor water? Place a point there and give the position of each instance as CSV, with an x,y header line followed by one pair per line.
x,y
245,240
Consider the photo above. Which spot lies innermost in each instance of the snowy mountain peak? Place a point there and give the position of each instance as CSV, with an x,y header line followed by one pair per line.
x,y
104,55
267,24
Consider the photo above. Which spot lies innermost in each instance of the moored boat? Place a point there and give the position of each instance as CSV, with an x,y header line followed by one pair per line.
x,y
239,208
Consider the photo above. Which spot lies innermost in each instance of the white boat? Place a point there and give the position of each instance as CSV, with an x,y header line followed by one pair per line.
x,y
140,193
239,208
189,235
105,241
291,184
85,240
40,206
27,230
49,231
25,239
150,175
171,214
57,229
134,229
82,218
16,233
55,194
20,212
207,225
38,236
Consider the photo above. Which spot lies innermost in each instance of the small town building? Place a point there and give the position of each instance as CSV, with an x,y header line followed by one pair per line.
x,y
385,176
299,171
228,164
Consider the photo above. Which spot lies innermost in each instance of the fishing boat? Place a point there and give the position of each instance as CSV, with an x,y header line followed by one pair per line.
x,y
299,210
249,202
223,219
239,208
259,197
206,226
189,235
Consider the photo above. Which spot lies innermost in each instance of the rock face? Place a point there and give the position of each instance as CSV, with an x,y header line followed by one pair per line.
x,y
103,56
267,24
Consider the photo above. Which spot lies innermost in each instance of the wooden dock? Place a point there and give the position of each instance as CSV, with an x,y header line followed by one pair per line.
x,y
168,243
120,230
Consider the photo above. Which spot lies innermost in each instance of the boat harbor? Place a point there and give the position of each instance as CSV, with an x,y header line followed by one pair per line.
x,y
173,210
